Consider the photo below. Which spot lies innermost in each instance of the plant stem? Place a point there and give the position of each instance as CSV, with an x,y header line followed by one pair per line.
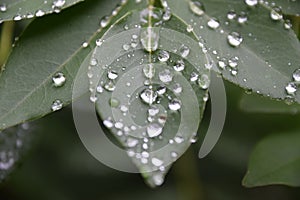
x,y
6,41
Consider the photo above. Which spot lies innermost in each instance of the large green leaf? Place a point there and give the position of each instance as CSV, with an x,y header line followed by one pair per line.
x,y
268,54
49,45
26,9
275,160
154,134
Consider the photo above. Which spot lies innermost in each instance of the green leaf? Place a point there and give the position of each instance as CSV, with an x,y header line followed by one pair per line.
x,y
267,56
275,160
14,142
26,9
125,79
49,45
257,104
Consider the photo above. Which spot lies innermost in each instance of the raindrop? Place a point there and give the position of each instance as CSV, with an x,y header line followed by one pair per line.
x,y
179,66
231,15
153,111
175,104
204,81
59,79
56,105
222,63
194,77
174,154
131,142
157,162
17,17
85,44
148,96
104,21
165,76
189,28
178,139
93,62
149,70
177,88
184,51
99,42
99,89
93,99
251,2
110,86
287,24
108,123
276,13
243,18
3,7
154,130
296,76
112,75
150,39
39,13
155,15
59,3
291,88
167,14
234,39
161,90
197,7
158,179
213,23
233,62
163,56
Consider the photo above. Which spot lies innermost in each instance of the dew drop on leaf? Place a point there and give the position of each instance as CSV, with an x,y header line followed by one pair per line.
x,y
56,105
196,7
231,15
296,76
175,104
163,56
59,79
179,66
3,7
184,51
234,39
251,2
148,96
204,81
154,130
276,13
291,88
166,76
149,70
213,23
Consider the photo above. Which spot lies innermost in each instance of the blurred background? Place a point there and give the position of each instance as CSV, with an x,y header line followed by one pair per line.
x,y
58,167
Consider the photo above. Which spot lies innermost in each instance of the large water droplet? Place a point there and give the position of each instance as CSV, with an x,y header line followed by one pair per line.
x,y
234,39
276,13
56,105
197,7
150,39
59,79
148,96
154,130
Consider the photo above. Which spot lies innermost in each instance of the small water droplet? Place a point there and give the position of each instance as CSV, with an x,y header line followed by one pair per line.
x,y
93,62
178,139
39,13
222,63
276,13
213,23
287,24
157,162
108,123
104,21
166,76
3,7
161,90
59,79
196,7
291,88
99,89
167,14
93,99
56,105
177,88
194,77
189,28
148,96
175,104
154,130
242,18
179,66
131,142
234,39
233,62
17,17
231,15
149,70
110,86
112,75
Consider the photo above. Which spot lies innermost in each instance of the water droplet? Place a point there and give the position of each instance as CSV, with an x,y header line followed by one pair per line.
x,y
153,111
175,104
243,18
296,76
154,15
178,139
213,23
17,17
179,66
59,79
166,76
167,14
93,99
108,123
112,75
154,130
39,13
150,39
149,70
287,24
3,7
99,89
158,179
157,162
131,142
57,5
204,81
93,62
99,42
189,28
231,15
114,103
174,154
194,77
184,51
56,105
251,2
177,88
196,7
234,39
6,160
222,63
85,44
233,62
276,13
291,88
163,56
161,90
104,21
148,96
110,86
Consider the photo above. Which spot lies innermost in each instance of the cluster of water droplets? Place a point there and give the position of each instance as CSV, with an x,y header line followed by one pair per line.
x,y
13,144
293,86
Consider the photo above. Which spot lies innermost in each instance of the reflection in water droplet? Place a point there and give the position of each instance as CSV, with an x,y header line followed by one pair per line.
x,y
234,39
222,63
243,18
39,13
104,21
233,62
56,105
112,75
194,77
110,86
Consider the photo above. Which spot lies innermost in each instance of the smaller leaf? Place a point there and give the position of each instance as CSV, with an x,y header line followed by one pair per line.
x,y
275,160
26,9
